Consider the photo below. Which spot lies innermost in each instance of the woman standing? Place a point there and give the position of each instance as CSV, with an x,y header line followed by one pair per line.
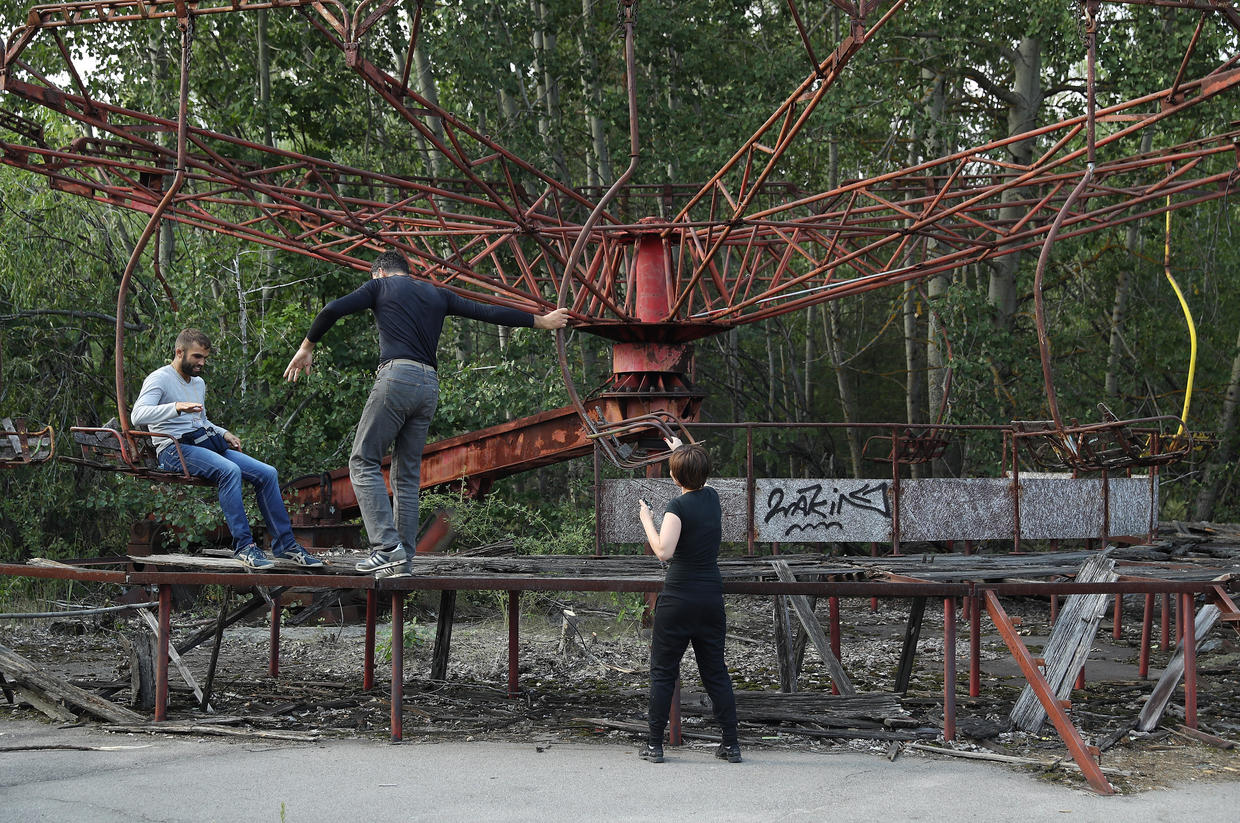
x,y
690,607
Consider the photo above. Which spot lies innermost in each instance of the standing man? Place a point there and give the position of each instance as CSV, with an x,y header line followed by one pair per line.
x,y
409,314
172,402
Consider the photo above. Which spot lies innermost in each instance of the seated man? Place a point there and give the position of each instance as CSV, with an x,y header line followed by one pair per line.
x,y
172,402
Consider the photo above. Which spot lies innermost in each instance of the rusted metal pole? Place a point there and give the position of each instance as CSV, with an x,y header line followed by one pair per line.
x,y
368,666
1164,627
398,665
1081,753
1015,493
675,732
1189,620
273,650
1147,625
514,628
161,652
895,491
750,483
975,645
949,668
1054,607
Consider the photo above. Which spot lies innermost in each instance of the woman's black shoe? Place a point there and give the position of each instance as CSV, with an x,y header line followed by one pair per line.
x,y
655,753
732,753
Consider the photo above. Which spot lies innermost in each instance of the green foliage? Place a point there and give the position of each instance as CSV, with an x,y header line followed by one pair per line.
x,y
544,529
410,637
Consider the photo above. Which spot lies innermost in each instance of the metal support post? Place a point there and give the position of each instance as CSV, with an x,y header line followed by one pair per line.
x,y
1147,626
398,665
949,668
1055,708
514,624
675,735
1188,619
273,651
975,645
368,667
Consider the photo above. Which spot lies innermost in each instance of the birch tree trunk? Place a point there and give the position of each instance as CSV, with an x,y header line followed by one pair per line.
x,y
1119,308
548,92
598,169
1024,100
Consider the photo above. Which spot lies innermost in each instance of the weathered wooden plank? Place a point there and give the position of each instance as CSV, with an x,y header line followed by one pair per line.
x,y
908,653
1154,707
186,674
814,629
1068,647
27,674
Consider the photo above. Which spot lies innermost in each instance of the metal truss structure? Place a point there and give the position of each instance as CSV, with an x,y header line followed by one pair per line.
x,y
737,249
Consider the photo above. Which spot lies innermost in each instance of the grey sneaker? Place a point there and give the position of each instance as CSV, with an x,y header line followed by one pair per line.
x,y
652,753
380,560
253,557
402,568
298,555
731,753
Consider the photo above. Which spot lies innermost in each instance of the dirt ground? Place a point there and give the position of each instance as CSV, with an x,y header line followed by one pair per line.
x,y
594,687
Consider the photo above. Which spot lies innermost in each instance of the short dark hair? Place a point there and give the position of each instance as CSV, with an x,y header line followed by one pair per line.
x,y
690,466
193,337
390,260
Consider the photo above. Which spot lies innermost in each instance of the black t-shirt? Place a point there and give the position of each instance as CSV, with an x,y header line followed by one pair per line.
x,y
409,314
694,567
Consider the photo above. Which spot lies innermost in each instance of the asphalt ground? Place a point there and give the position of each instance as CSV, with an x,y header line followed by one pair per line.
x,y
173,779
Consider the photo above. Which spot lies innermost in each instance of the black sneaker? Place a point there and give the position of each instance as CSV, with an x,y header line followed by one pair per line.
x,y
298,555
732,753
652,753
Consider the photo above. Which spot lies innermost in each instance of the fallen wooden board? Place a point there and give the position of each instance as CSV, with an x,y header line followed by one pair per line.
x,y
1068,646
814,629
27,674
153,624
1007,758
212,729
1154,707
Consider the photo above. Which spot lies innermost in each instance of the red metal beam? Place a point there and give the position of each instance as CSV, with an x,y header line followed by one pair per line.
x,y
1054,708
484,456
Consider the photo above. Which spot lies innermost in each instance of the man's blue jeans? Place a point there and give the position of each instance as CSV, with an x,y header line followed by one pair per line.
x,y
398,414
226,471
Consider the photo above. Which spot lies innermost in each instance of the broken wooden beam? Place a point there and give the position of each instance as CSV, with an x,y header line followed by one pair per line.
x,y
814,629
29,676
1154,707
1068,647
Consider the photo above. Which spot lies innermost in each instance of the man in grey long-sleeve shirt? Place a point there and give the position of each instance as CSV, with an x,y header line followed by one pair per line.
x,y
173,402
409,314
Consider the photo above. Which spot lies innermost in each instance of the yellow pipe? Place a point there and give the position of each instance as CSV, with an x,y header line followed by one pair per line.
x,y
1188,315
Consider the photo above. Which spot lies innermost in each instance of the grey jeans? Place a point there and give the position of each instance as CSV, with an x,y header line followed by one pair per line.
x,y
397,414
